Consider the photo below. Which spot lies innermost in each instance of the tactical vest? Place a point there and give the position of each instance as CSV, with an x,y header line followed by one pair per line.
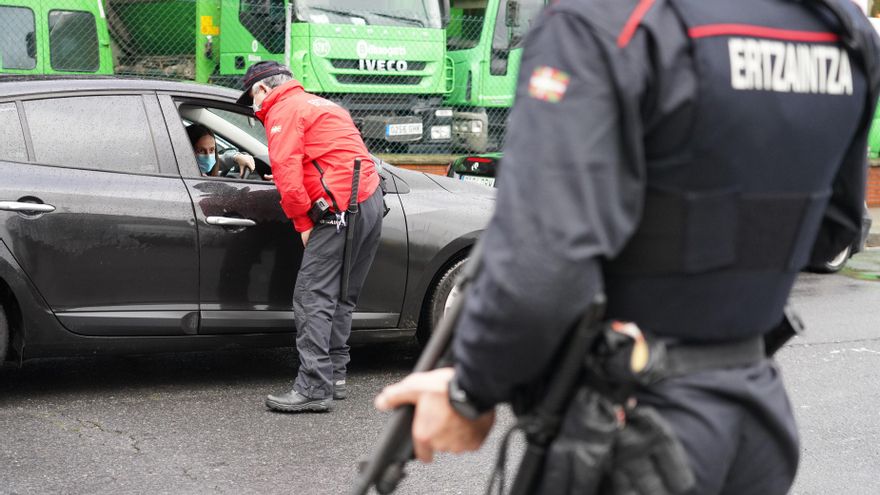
x,y
730,218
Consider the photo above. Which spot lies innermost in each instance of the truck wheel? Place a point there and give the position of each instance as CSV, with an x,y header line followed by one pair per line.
x,y
443,295
4,335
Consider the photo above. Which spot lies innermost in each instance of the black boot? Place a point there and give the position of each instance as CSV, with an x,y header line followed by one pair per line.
x,y
295,402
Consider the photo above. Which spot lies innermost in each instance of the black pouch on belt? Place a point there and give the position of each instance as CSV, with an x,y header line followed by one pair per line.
x,y
319,210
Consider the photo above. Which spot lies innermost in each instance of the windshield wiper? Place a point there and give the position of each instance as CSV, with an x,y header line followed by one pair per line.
x,y
399,18
341,13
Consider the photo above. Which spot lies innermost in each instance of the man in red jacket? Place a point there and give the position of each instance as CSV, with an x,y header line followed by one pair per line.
x,y
313,145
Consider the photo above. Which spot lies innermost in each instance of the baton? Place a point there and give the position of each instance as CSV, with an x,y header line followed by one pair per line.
x,y
351,217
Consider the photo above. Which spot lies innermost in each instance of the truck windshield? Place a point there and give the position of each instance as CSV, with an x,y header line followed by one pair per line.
x,y
465,28
423,13
510,30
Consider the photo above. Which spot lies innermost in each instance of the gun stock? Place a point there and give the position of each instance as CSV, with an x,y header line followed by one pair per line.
x,y
547,414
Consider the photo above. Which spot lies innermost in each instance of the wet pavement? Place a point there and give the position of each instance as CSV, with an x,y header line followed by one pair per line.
x,y
196,422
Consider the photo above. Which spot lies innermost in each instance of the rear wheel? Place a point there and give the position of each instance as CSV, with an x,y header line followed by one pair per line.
x,y
442,297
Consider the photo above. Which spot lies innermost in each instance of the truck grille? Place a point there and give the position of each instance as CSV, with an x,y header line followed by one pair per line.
x,y
385,79
343,63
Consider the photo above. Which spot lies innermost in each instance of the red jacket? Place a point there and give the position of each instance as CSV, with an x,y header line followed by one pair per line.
x,y
303,128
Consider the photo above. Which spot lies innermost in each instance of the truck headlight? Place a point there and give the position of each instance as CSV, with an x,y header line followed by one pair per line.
x,y
477,126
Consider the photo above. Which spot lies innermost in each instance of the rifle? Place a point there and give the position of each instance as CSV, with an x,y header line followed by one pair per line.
x,y
542,421
385,469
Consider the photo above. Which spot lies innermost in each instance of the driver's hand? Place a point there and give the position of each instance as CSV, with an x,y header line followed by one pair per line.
x,y
245,162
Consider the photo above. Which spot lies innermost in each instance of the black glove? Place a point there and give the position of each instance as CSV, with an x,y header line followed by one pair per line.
x,y
648,458
578,459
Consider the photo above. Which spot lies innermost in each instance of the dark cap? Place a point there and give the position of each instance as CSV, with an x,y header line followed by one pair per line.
x,y
255,74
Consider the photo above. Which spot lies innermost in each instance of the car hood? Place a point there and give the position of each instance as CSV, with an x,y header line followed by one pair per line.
x,y
421,180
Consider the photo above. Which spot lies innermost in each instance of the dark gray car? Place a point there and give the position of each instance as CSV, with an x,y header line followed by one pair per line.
x,y
111,240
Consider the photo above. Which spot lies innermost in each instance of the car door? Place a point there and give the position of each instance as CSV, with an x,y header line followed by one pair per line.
x,y
249,251
98,217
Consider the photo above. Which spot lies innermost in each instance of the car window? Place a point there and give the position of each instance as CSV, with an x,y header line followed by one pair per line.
x,y
11,137
93,132
18,49
249,125
73,41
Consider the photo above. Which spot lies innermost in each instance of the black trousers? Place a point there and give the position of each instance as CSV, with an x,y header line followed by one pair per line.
x,y
322,314
736,426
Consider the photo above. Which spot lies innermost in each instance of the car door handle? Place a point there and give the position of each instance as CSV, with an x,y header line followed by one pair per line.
x,y
230,222
26,207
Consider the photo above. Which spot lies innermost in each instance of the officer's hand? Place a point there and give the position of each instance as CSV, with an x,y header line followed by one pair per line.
x,y
305,236
436,426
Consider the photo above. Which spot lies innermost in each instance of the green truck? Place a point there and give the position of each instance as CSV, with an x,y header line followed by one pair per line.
x,y
484,42
54,37
383,60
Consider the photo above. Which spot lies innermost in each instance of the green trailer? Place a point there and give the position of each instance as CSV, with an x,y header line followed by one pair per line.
x,y
383,60
484,41
54,37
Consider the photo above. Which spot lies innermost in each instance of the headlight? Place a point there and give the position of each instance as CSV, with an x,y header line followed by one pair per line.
x,y
477,126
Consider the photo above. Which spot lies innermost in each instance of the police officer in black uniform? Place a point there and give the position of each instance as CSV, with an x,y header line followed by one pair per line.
x,y
688,158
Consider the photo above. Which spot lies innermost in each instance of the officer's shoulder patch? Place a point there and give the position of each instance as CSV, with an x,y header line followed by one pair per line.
x,y
548,84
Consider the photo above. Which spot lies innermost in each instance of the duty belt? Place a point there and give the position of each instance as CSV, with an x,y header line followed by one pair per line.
x,y
691,358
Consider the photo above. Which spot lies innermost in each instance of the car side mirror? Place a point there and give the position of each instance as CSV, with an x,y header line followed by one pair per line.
x,y
30,40
511,17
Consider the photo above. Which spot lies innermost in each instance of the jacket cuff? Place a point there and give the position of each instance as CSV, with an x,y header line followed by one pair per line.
x,y
302,223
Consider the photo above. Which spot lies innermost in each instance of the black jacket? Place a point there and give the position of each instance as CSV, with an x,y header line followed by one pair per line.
x,y
611,105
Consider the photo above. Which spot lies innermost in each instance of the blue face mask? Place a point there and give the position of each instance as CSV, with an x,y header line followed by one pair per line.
x,y
206,162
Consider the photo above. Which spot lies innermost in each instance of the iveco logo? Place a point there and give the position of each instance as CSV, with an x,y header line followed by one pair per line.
x,y
365,49
386,65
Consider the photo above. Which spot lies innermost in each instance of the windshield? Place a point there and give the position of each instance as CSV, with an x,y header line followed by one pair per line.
x,y
423,13
465,28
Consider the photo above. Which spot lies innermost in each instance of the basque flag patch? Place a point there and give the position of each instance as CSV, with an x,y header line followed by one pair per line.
x,y
548,84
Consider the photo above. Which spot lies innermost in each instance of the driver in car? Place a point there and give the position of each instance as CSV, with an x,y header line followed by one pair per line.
x,y
212,163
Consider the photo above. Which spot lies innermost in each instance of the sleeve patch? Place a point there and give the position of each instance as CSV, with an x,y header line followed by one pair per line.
x,y
548,84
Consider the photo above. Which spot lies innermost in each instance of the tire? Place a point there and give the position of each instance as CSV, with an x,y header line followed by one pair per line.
x,y
4,335
834,265
442,295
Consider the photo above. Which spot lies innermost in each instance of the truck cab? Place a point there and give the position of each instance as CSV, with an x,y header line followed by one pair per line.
x,y
484,42
384,60
54,37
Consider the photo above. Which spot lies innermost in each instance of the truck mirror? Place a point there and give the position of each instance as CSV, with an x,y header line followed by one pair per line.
x,y
511,18
445,8
31,42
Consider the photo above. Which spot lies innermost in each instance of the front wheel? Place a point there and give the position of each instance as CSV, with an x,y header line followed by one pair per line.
x,y
836,264
443,296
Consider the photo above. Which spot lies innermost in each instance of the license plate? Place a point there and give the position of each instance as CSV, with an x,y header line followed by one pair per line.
x,y
404,129
486,181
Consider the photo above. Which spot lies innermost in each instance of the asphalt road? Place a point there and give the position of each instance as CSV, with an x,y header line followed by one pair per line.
x,y
196,423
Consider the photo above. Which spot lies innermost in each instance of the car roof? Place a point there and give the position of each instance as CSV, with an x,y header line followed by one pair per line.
x,y
12,86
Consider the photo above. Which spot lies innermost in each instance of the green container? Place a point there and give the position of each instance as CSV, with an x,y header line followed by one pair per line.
x,y
159,28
